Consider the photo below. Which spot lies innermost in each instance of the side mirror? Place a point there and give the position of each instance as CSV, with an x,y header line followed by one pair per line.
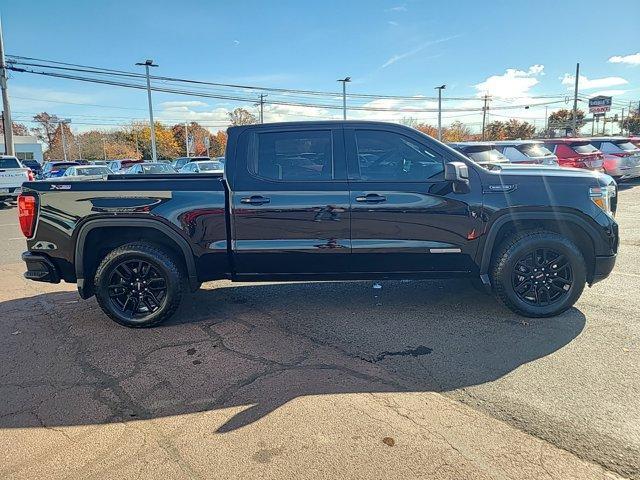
x,y
458,174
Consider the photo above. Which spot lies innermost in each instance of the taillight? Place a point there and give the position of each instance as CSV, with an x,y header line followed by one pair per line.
x,y
27,211
31,176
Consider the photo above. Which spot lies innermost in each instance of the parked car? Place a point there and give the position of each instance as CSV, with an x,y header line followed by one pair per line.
x,y
325,200
32,165
12,175
120,166
149,168
526,151
483,153
203,167
178,163
576,153
84,172
55,169
621,156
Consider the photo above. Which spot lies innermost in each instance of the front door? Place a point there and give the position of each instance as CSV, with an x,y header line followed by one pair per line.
x,y
290,204
404,215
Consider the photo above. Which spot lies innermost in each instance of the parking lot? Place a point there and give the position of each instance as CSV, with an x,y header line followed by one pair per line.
x,y
421,379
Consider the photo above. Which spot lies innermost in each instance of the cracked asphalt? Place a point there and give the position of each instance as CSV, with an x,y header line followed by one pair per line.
x,y
319,380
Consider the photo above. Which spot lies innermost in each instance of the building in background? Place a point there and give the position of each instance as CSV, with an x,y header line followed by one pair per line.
x,y
27,147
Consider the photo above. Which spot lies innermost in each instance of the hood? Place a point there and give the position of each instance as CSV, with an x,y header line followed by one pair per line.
x,y
511,169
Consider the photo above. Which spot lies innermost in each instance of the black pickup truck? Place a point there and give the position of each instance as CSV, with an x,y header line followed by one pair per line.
x,y
324,201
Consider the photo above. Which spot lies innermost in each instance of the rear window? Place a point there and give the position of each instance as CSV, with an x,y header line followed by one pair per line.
x,y
9,163
93,171
157,169
484,154
210,166
302,155
626,146
534,150
583,148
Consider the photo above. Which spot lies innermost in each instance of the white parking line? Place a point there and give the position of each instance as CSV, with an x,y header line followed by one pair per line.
x,y
8,224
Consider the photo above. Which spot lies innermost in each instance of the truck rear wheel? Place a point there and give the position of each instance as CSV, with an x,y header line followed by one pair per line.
x,y
538,273
139,285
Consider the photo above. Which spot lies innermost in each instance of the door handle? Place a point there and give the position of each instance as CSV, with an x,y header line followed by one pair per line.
x,y
255,200
371,198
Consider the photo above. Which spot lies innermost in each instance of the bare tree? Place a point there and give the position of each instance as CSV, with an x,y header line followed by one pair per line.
x,y
240,116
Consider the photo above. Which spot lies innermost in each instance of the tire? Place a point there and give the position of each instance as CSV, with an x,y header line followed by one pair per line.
x,y
146,279
527,261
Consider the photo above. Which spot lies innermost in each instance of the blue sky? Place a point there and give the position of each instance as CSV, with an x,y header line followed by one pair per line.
x,y
515,51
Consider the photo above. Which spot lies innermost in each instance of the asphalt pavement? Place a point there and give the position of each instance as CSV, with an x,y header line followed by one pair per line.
x,y
414,379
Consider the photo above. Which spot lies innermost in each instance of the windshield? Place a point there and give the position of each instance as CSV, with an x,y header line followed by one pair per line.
x,y
484,154
534,150
9,162
626,146
93,171
584,148
210,166
157,168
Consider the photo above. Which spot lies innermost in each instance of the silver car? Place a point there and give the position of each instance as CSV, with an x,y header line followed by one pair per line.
x,y
621,157
527,151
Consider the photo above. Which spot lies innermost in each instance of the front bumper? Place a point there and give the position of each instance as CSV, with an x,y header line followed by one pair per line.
x,y
603,267
12,192
40,268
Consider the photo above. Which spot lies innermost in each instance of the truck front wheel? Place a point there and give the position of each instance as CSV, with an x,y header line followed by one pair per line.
x,y
538,273
139,285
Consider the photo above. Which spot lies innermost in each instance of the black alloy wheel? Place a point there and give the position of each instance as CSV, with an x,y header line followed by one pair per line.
x,y
137,288
542,276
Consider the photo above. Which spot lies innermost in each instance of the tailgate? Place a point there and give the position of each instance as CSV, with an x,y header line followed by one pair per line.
x,y
10,178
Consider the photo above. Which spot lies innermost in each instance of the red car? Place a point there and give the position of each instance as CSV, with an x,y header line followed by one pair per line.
x,y
576,153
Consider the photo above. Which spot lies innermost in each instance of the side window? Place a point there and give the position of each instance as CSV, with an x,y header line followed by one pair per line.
x,y
513,154
303,155
393,157
607,147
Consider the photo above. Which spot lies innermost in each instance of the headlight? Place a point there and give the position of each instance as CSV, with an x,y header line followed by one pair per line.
x,y
602,196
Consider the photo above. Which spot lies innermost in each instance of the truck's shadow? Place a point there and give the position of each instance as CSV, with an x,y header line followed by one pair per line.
x,y
257,347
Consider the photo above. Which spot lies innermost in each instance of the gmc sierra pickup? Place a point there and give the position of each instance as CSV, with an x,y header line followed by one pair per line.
x,y
324,201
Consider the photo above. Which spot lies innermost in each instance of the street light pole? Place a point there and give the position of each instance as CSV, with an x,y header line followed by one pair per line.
x,y
440,88
574,120
344,81
152,126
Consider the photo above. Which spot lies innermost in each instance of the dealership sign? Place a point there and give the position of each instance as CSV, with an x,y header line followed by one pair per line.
x,y
599,104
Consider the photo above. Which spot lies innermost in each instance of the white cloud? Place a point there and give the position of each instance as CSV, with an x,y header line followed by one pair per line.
x,y
417,49
632,59
179,104
585,83
512,83
608,93
392,23
397,8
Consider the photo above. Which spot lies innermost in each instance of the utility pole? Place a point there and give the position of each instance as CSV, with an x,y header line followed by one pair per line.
x,y
484,114
622,123
6,109
440,88
574,120
152,126
261,103
344,81
62,124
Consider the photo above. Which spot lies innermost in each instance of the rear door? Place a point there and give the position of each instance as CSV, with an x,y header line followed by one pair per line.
x,y
405,216
290,202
